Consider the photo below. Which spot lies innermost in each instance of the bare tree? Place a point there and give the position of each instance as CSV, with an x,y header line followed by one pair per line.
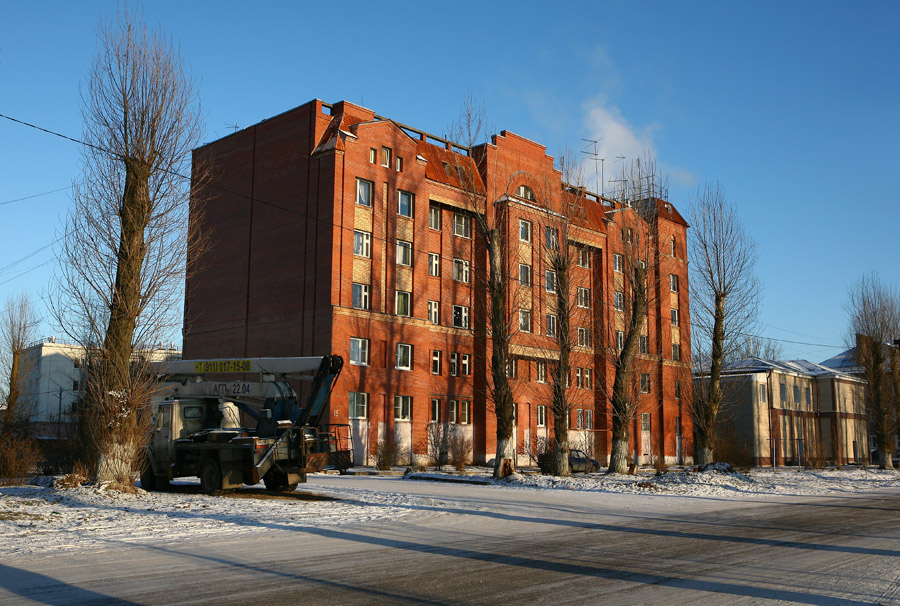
x,y
470,130
874,309
725,299
753,347
17,329
635,220
122,263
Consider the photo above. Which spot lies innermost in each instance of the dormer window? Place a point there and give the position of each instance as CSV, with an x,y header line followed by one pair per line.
x,y
526,193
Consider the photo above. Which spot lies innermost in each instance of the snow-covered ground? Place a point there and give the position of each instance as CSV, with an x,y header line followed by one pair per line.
x,y
41,518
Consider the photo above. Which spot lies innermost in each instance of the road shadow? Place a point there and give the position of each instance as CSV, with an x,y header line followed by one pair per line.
x,y
43,589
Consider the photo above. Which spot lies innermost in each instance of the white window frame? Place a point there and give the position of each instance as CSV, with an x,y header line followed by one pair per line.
x,y
362,348
436,355
552,325
541,372
674,317
619,300
584,297
620,340
403,295
363,290
403,356
551,238
365,191
401,194
454,364
404,253
358,400
524,274
434,265
512,368
435,410
676,352
460,316
362,244
584,337
541,415
403,406
524,320
673,282
644,344
386,157
645,382
462,225
434,217
618,263
464,416
453,412
584,257
578,378
373,155
524,231
550,280
434,312
461,270
465,364
587,378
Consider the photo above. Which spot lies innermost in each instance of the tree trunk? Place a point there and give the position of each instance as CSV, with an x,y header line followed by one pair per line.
x,y
505,459
703,454
561,374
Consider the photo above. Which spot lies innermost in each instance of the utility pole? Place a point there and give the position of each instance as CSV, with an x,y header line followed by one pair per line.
x,y
59,417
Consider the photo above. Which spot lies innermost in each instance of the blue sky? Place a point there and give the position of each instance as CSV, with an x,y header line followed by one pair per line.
x,y
791,106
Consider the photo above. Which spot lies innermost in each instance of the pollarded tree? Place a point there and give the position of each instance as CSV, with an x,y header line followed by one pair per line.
x,y
725,296
874,309
18,321
123,260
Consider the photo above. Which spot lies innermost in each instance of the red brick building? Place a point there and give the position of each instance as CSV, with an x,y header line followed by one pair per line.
x,y
334,230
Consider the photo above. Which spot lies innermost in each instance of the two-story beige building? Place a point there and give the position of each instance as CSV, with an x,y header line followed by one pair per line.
x,y
793,412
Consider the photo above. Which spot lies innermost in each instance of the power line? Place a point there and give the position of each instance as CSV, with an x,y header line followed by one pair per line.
x,y
46,193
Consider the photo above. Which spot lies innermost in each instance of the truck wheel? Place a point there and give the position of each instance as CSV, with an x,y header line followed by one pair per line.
x,y
210,476
277,481
148,479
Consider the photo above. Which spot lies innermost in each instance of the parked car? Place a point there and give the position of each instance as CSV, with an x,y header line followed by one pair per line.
x,y
578,461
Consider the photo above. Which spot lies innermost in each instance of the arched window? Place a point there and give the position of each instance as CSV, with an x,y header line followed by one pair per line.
x,y
526,193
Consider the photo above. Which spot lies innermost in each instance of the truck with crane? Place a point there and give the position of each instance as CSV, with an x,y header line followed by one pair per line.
x,y
201,417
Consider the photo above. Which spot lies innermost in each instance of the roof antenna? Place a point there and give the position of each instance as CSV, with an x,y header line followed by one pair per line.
x,y
596,156
234,127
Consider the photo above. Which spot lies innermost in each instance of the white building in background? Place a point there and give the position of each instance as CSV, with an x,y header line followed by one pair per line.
x,y
53,382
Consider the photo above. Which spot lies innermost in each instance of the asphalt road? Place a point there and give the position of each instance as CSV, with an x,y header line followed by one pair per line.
x,y
496,547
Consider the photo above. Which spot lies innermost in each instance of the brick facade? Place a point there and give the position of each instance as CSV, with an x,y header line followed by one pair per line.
x,y
329,225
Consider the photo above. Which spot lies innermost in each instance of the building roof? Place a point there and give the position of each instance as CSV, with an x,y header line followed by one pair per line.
x,y
801,367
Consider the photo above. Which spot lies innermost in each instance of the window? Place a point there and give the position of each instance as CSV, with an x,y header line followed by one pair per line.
x,y
584,297
466,366
628,235
454,411
579,381
405,204
783,390
404,252
402,407
808,397
541,415
579,418
584,257
620,340
460,316
550,280
434,217
618,262
434,312
674,317
360,296
359,351
619,301
512,368
436,362
588,419
644,344
524,320
434,264
404,356
75,386
435,411
526,193
402,306
796,394
587,378
762,393
524,274
386,156
362,243
673,282
673,246
464,412
524,230
551,238
373,155
359,405
364,192
399,164
676,352
584,337
461,270
645,383
678,391
462,225
541,372
551,325
454,364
